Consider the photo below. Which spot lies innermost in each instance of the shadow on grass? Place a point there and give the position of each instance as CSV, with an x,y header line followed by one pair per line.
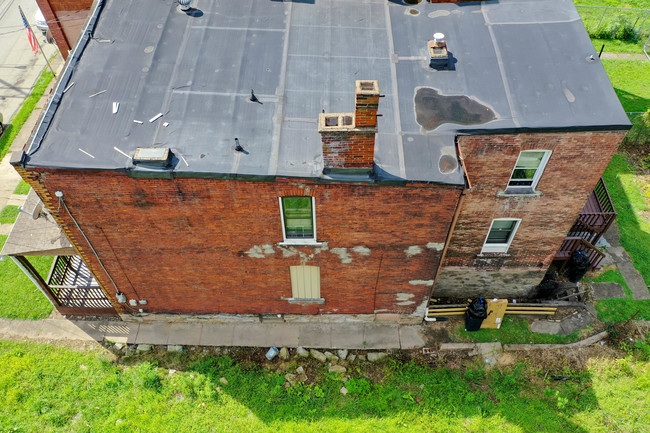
x,y
632,102
635,234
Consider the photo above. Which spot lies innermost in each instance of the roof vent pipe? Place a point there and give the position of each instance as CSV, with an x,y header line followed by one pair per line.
x,y
185,4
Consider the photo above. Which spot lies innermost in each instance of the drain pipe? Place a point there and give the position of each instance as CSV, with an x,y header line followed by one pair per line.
x,y
121,297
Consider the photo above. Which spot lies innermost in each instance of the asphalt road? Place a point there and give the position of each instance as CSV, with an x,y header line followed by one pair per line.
x,y
19,67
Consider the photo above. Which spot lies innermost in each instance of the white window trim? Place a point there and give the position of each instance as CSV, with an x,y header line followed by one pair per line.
x,y
529,190
500,248
293,241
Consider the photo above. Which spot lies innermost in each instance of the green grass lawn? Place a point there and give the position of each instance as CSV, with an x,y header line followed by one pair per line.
x,y
630,204
26,109
621,310
616,46
50,389
19,297
514,330
635,238
627,77
22,188
8,214
634,4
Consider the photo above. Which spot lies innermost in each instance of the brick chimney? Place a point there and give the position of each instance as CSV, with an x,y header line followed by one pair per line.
x,y
349,138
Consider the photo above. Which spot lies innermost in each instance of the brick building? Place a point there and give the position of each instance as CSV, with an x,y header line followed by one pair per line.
x,y
65,19
184,191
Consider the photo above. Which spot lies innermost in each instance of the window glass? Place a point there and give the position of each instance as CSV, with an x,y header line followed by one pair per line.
x,y
526,168
500,231
298,221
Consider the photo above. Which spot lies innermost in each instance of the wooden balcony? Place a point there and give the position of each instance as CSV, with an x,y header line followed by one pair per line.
x,y
594,220
76,290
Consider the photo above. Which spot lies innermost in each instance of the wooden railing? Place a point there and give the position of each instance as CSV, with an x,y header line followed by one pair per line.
x,y
596,216
76,292
604,199
59,270
573,243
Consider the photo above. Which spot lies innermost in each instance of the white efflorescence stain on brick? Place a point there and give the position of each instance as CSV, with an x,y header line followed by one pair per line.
x,y
437,246
413,250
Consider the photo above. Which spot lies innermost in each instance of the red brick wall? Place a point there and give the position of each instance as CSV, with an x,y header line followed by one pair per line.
x,y
365,109
65,19
577,162
206,246
349,149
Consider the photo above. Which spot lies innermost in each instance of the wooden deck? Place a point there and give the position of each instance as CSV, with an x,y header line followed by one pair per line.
x,y
594,220
76,290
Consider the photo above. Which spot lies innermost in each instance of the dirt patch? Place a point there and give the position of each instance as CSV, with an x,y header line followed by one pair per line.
x,y
506,360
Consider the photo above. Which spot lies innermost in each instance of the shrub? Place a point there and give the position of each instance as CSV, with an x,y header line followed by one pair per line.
x,y
639,135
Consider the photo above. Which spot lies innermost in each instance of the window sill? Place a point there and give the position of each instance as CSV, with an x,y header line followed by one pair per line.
x,y
519,193
305,301
488,254
301,242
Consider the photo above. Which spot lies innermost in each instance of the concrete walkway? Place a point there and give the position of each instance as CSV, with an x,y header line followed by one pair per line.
x,y
352,335
623,262
9,178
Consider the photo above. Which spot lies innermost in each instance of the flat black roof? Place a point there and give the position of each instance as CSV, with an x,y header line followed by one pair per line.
x,y
527,62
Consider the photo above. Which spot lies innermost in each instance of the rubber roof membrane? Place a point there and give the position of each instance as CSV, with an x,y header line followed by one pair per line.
x,y
528,63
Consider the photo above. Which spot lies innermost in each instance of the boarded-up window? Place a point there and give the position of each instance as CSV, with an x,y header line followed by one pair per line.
x,y
305,282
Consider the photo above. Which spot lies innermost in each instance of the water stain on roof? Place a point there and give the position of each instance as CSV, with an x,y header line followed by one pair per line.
x,y
433,109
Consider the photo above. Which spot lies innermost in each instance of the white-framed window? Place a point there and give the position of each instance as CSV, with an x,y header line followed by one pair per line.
x,y
298,219
500,235
528,170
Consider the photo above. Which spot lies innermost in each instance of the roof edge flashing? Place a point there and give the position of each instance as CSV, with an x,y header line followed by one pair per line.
x,y
64,79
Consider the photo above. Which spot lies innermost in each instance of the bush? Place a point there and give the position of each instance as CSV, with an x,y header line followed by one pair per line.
x,y
639,135
620,30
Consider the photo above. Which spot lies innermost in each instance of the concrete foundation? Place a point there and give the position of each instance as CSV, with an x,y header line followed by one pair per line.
x,y
464,282
401,319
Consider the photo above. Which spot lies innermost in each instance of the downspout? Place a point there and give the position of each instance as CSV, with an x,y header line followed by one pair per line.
x,y
450,233
454,220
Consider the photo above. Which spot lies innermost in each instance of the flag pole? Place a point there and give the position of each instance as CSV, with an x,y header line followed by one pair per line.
x,y
37,43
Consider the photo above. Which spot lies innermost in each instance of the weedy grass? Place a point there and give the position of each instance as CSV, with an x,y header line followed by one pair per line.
x,y
19,297
53,389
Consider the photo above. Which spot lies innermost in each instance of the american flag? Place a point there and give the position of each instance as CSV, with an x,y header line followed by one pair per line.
x,y
30,34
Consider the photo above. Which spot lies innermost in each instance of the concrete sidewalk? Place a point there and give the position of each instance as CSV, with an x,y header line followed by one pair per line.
x,y
351,335
9,178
